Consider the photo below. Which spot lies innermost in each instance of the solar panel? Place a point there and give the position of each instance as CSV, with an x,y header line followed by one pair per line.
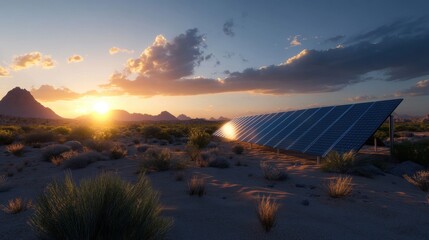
x,y
315,131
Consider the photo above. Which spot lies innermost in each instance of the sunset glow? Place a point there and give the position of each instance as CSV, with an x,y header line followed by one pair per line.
x,y
101,107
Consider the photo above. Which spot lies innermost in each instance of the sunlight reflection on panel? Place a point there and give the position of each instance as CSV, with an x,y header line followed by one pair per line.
x,y
228,131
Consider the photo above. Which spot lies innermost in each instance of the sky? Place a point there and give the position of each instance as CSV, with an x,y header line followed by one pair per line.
x,y
215,58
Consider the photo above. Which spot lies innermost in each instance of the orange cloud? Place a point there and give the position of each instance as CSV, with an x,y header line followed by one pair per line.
x,y
32,59
115,50
75,58
48,93
3,72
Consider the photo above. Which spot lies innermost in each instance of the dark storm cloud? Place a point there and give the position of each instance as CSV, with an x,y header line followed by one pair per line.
x,y
165,68
227,27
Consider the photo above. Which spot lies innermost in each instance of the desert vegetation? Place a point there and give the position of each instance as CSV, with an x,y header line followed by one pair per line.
x,y
420,179
417,151
68,210
156,159
16,205
15,148
267,212
196,186
339,163
271,172
339,187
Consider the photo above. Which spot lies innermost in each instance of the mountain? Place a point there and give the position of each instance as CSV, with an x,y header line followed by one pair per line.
x,y
124,116
183,117
20,103
219,119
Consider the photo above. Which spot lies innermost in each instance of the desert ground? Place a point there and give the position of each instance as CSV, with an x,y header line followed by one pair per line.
x,y
382,207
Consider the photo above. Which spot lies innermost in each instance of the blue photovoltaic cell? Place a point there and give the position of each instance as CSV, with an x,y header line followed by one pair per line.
x,y
314,131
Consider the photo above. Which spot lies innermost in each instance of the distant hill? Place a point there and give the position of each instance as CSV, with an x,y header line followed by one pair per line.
x,y
124,116
219,119
183,117
20,103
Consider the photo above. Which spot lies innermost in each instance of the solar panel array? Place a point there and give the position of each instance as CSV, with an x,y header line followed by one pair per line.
x,y
314,131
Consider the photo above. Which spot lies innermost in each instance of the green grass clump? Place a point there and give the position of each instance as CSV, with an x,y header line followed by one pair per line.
x,y
105,207
339,163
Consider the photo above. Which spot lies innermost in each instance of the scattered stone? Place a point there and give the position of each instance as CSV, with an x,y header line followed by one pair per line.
x,y
406,168
305,202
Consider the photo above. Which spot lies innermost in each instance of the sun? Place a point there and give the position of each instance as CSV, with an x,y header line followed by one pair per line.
x,y
101,107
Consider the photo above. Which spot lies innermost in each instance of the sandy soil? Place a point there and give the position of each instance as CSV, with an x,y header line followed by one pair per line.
x,y
386,207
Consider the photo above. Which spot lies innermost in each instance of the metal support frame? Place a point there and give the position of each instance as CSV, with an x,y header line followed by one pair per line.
x,y
318,160
391,132
375,144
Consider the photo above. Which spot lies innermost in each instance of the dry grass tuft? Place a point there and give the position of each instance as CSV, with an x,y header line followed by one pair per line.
x,y
340,163
16,205
156,159
196,186
57,160
339,187
118,151
272,172
16,149
420,180
267,212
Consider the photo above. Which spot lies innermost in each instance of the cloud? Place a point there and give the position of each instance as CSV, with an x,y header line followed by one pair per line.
x,y
335,39
420,89
48,93
32,59
3,72
75,58
295,41
115,50
361,98
227,28
166,68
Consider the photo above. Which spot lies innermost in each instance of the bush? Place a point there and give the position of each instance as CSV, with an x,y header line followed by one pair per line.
x,y
82,160
59,159
267,212
420,180
61,130
16,205
150,131
6,137
102,208
75,145
118,151
156,159
81,133
219,162
193,153
198,138
339,187
339,163
98,145
196,186
54,150
16,149
39,136
238,149
272,172
417,151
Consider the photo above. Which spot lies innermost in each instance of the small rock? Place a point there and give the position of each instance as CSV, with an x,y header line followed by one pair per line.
x,y
305,202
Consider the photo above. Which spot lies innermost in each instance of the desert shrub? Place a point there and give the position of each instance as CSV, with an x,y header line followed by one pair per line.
x,y
238,149
178,163
339,163
6,137
39,136
271,172
420,179
219,162
339,187
193,152
54,150
142,148
4,186
98,145
16,149
196,186
198,138
105,207
150,131
81,133
59,159
156,159
417,151
16,205
118,151
267,212
61,130
75,145
82,160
